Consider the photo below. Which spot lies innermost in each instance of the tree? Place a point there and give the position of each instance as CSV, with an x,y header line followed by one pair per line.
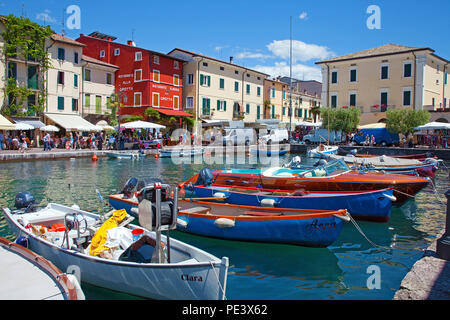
x,y
315,111
346,120
25,40
405,120
152,114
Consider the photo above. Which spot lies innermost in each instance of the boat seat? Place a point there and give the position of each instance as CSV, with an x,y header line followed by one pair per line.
x,y
263,214
199,210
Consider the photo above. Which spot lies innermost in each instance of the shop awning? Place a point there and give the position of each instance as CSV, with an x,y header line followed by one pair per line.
x,y
71,122
5,124
32,122
175,113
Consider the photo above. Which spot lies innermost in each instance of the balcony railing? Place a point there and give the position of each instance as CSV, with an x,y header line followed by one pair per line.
x,y
381,108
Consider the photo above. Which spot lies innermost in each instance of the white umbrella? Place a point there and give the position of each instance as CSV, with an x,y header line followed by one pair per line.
x,y
434,125
23,126
141,125
49,128
104,125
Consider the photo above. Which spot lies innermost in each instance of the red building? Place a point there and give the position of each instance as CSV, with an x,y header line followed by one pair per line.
x,y
145,79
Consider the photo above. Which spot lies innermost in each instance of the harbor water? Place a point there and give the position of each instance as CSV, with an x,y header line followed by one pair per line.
x,y
257,271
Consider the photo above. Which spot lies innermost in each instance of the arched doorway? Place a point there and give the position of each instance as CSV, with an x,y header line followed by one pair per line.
x,y
443,120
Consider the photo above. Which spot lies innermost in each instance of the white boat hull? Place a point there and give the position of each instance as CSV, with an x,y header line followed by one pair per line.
x,y
175,281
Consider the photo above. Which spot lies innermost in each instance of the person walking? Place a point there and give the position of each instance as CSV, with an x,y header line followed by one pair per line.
x,y
2,139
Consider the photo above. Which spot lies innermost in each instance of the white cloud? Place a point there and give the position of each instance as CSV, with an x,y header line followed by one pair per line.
x,y
219,48
299,71
252,55
300,51
303,15
45,16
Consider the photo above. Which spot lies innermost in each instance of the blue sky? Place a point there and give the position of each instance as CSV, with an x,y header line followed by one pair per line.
x,y
255,33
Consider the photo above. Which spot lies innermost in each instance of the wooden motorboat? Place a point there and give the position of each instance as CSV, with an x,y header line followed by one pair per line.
x,y
334,176
103,251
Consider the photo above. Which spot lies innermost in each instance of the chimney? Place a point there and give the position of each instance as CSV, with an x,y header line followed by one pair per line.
x,y
131,43
109,39
231,59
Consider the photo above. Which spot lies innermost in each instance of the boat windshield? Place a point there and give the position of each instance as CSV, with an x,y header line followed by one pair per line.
x,y
336,167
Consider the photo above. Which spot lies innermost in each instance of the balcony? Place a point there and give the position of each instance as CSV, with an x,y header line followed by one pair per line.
x,y
383,108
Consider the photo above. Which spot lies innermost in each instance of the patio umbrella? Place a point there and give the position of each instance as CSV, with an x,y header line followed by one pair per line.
x,y
433,126
49,128
104,125
141,125
5,124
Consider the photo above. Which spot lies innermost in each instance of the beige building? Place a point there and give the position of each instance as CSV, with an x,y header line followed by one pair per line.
x,y
219,90
387,77
97,88
279,94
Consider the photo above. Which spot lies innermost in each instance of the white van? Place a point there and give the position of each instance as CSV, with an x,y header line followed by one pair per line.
x,y
239,136
275,136
322,136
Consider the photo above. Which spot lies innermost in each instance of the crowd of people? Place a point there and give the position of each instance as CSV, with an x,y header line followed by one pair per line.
x,y
15,142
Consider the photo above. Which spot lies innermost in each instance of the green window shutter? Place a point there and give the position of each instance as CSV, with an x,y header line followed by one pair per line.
x,y
209,81
273,111
384,72
258,91
236,86
284,111
300,113
384,98
224,106
284,94
334,77
98,104
201,79
32,77
273,92
87,100
247,107
61,54
75,80
248,89
258,110
60,103
218,105
222,83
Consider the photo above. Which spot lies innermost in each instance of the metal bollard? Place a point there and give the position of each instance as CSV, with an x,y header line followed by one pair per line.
x,y
443,244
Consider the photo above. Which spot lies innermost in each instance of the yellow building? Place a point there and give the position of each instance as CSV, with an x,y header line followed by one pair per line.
x,y
386,77
219,90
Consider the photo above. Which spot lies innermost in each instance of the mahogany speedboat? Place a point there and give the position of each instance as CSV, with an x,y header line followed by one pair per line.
x,y
334,176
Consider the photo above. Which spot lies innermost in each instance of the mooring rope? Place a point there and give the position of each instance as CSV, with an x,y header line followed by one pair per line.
x,y
218,280
364,235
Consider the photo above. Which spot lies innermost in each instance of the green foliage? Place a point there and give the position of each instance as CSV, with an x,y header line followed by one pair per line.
x,y
153,114
315,111
346,120
132,118
25,40
405,120
113,105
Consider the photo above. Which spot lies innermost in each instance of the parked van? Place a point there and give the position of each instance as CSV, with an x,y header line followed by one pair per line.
x,y
382,136
321,136
239,136
276,136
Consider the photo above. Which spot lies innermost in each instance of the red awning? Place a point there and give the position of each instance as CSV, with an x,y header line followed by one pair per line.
x,y
171,112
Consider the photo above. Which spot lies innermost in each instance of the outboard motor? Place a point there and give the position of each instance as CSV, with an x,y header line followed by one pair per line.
x,y
25,202
147,190
129,187
205,177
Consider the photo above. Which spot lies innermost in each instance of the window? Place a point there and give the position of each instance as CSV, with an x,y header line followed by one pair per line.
x,y
60,103
190,78
221,83
445,102
334,101
384,72
236,86
117,52
407,70
61,54
205,64
273,92
137,99
205,80
138,56
248,89
221,105
353,99
334,77
75,57
156,75
32,77
433,101
74,104
236,72
176,65
155,59
353,75
258,91
102,53
247,108
284,111
12,70
137,75
222,69
384,98
190,103
300,113
206,105
284,95
155,99
87,75
60,77
98,104
176,102
273,111
108,78
258,112
445,78
75,80
87,100
176,80
407,97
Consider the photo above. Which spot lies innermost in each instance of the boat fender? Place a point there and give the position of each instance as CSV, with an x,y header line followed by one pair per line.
x,y
392,198
345,218
135,211
268,203
76,284
75,207
224,223
220,195
182,223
